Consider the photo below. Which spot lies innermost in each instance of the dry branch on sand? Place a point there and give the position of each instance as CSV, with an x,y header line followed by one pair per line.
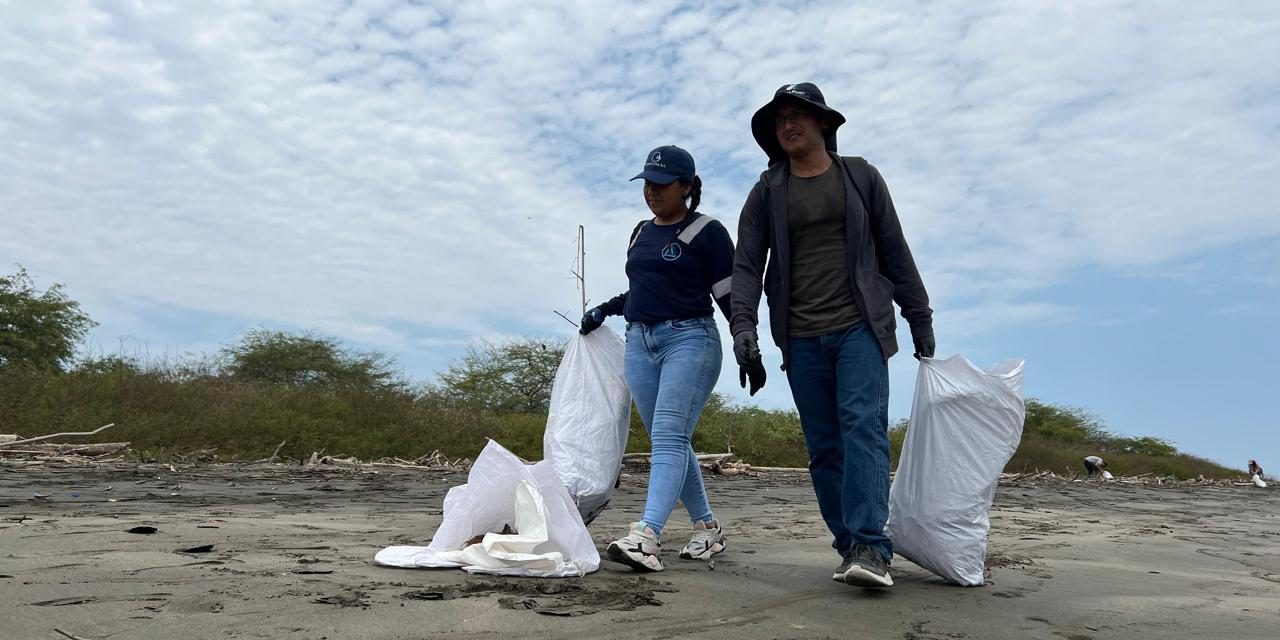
x,y
433,460
724,464
37,450
87,450
13,443
1145,479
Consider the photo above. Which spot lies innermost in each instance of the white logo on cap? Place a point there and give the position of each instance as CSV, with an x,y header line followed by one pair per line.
x,y
657,156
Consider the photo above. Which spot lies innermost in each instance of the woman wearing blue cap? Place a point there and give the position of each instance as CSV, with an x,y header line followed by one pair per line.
x,y
677,263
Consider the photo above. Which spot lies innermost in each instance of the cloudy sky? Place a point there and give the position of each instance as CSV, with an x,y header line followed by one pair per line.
x,y
1092,185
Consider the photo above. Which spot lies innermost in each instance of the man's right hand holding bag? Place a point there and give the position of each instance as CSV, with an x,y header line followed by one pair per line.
x,y
746,350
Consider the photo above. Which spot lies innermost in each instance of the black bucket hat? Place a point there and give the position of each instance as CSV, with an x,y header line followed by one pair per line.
x,y
805,93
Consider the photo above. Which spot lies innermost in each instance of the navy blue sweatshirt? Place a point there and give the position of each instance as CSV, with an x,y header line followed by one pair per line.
x,y
674,271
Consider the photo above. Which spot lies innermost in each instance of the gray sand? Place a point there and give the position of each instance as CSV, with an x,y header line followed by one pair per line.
x,y
292,552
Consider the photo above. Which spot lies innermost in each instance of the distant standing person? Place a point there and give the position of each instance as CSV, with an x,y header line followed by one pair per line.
x,y
678,262
1255,469
819,234
1094,465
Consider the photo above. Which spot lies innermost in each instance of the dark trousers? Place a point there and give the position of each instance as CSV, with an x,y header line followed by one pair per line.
x,y
840,382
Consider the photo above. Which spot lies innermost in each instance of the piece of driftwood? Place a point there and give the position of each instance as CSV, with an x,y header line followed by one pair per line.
x,y
1144,479
725,464
51,436
433,459
46,448
331,460
702,457
276,452
419,467
21,463
319,460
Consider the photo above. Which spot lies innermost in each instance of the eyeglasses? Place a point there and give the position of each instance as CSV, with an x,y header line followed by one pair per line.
x,y
795,115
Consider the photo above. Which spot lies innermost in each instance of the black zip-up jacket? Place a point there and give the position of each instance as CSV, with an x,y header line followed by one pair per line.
x,y
881,269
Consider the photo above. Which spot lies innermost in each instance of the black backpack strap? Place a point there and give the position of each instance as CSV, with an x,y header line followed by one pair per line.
x,y
635,233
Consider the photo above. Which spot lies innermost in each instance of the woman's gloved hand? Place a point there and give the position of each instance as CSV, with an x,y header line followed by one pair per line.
x,y
591,320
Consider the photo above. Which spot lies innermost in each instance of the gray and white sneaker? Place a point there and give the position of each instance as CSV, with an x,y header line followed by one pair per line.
x,y
638,549
838,576
707,541
864,567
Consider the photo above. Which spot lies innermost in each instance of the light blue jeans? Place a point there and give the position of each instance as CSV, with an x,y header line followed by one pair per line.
x,y
671,368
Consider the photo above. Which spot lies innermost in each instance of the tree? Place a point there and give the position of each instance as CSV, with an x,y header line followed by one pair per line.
x,y
1148,446
512,377
1064,424
38,329
297,360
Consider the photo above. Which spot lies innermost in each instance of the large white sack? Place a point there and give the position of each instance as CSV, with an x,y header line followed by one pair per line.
x,y
965,425
589,419
1258,481
550,538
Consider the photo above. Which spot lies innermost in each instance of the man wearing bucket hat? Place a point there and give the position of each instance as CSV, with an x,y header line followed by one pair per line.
x,y
825,227
678,262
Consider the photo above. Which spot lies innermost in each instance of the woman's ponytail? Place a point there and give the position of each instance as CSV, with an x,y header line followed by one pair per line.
x,y
695,194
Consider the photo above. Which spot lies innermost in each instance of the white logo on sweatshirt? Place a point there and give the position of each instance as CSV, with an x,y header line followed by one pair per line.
x,y
671,252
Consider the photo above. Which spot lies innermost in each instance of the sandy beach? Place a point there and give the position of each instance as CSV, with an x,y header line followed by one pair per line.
x,y
291,557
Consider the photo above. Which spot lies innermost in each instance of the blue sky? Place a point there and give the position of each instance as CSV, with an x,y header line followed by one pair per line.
x,y
1090,186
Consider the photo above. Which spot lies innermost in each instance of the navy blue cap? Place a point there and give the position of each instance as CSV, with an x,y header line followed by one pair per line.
x,y
665,165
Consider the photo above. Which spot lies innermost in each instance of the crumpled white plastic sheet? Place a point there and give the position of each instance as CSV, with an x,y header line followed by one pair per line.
x,y
550,540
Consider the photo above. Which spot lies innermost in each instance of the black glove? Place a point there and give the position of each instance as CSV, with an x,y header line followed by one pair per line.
x,y
754,374
925,346
750,366
591,320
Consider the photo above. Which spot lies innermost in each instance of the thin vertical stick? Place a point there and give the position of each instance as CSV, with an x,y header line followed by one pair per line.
x,y
582,265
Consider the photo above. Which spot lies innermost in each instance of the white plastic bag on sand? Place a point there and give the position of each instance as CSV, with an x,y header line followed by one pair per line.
x,y
550,539
1258,481
589,419
965,425
1106,475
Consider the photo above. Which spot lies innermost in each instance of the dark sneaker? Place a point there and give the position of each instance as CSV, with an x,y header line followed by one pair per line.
x,y
866,568
838,576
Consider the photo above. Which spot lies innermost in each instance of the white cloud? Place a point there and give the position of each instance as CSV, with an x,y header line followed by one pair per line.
x,y
366,166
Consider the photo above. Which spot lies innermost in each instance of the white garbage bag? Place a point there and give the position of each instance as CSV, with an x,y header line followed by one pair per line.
x,y
1258,481
589,419
965,425
549,538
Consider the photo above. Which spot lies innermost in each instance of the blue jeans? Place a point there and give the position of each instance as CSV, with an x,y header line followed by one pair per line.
x,y
671,369
840,382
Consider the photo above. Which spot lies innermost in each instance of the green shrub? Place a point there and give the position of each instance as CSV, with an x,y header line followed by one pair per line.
x,y
195,405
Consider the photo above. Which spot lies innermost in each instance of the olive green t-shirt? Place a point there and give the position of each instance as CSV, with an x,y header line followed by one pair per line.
x,y
821,297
